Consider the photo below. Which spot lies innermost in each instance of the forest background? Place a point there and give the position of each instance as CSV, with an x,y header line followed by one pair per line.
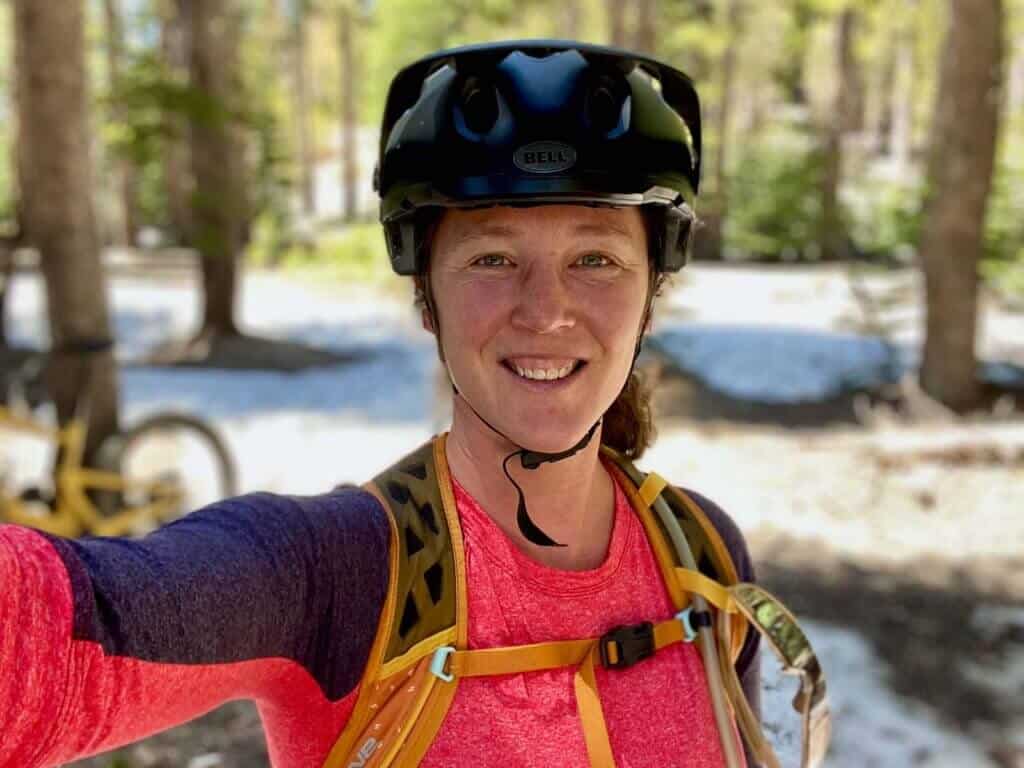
x,y
883,135
247,130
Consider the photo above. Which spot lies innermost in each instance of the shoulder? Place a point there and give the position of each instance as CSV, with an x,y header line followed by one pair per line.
x,y
730,532
260,527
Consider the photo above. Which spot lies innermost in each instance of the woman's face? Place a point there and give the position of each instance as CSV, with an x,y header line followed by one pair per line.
x,y
540,311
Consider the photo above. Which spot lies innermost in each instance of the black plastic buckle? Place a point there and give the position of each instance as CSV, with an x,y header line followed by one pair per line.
x,y
632,644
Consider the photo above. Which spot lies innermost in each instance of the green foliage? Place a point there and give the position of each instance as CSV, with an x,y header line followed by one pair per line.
x,y
1003,263
405,30
354,252
885,215
6,182
774,205
7,170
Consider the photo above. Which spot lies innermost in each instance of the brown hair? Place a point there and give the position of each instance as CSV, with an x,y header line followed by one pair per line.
x,y
628,424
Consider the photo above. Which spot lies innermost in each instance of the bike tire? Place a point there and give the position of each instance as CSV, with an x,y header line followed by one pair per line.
x,y
223,465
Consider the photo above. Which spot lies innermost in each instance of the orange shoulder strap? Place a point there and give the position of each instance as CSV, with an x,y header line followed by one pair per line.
x,y
401,705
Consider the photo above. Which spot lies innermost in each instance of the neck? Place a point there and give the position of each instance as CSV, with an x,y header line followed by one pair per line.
x,y
571,500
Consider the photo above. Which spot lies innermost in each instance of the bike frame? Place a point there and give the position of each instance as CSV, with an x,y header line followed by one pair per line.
x,y
73,512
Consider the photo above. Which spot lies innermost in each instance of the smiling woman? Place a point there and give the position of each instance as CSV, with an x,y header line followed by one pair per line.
x,y
462,608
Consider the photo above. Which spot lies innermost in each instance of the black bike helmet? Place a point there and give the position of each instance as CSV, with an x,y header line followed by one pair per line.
x,y
538,122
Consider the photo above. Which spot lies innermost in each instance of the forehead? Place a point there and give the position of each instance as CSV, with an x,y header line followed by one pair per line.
x,y
462,225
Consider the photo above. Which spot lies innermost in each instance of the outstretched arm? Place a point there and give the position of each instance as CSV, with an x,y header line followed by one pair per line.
x,y
105,641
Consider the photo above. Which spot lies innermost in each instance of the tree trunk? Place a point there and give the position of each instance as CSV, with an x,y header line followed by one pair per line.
x,y
129,185
349,117
6,273
57,207
175,45
615,10
300,39
850,76
218,205
879,101
832,235
960,166
645,35
708,241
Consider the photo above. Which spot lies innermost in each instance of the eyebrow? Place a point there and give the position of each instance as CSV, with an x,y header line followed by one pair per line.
x,y
602,229
484,232
503,230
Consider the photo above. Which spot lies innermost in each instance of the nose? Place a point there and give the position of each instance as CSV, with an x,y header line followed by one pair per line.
x,y
544,304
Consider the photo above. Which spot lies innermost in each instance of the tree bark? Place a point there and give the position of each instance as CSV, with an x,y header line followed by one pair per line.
x,y
129,185
300,76
218,204
615,10
832,236
960,166
708,241
645,37
6,273
850,74
878,100
175,45
57,207
349,138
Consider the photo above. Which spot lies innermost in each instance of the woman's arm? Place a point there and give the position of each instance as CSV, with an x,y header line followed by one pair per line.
x,y
105,641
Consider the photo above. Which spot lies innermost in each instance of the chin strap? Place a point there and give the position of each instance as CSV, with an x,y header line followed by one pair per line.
x,y
532,460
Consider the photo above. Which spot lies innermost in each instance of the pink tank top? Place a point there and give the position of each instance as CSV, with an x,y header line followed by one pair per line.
x,y
658,712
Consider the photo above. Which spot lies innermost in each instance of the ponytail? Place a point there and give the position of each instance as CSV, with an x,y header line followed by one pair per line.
x,y
628,424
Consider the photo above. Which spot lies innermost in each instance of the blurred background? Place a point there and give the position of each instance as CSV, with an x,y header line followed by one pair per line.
x,y
841,367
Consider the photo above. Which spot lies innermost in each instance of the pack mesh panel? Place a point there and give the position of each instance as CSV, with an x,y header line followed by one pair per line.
x,y
426,576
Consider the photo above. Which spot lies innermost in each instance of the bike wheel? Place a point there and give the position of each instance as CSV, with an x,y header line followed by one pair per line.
x,y
179,452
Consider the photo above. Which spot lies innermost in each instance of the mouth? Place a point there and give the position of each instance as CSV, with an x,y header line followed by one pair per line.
x,y
545,374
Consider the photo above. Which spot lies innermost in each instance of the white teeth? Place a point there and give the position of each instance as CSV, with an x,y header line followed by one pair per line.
x,y
545,374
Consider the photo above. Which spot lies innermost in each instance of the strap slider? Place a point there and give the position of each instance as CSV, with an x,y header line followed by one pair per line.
x,y
692,621
624,646
440,660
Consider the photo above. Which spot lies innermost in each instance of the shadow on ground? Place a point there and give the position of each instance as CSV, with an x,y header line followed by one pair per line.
x,y
683,393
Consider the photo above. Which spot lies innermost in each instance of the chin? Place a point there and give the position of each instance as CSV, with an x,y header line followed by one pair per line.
x,y
550,438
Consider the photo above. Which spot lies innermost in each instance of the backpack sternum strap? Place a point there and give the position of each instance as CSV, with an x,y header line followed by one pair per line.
x,y
610,650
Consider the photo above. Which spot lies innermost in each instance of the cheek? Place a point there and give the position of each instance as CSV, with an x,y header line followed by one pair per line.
x,y
470,317
615,317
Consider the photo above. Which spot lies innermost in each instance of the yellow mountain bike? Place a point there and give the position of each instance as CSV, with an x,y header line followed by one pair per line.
x,y
160,469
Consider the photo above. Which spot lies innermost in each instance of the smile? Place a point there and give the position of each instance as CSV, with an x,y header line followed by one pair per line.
x,y
542,370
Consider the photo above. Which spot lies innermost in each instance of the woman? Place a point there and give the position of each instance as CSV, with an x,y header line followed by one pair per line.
x,y
538,192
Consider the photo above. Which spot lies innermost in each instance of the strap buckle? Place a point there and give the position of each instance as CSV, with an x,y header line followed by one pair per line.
x,y
692,621
624,646
440,660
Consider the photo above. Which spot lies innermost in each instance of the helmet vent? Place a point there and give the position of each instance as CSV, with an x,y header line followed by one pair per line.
x,y
479,104
604,104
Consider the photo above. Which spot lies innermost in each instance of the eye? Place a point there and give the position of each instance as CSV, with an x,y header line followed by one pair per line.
x,y
594,259
490,260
